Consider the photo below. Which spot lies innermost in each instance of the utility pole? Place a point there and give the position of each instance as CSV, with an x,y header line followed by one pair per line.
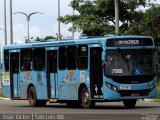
x,y
73,27
116,2
5,23
59,26
11,24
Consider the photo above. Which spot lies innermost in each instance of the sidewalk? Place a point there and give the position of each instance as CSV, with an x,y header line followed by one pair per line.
x,y
7,99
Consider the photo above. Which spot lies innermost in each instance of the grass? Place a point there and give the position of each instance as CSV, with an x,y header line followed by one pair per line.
x,y
1,95
158,90
156,100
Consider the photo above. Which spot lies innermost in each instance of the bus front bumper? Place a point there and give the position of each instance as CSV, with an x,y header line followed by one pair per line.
x,y
111,92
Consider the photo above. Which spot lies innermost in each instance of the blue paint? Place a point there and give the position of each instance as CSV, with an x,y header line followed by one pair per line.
x,y
137,71
67,85
16,85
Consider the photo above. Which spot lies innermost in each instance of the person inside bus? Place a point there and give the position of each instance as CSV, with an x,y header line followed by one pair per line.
x,y
22,68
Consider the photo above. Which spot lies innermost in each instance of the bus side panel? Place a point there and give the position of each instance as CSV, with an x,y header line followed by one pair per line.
x,y
39,77
52,85
24,93
68,85
16,84
6,84
6,91
25,80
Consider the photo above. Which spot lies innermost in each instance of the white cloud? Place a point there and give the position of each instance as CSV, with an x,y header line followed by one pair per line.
x,y
19,32
40,25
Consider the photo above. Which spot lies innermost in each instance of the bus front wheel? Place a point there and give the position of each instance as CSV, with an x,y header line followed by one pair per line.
x,y
130,103
85,99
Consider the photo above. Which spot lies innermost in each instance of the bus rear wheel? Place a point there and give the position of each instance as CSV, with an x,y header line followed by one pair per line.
x,y
85,99
130,103
32,98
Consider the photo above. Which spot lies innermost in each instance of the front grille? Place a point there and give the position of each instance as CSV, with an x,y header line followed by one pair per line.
x,y
134,93
132,79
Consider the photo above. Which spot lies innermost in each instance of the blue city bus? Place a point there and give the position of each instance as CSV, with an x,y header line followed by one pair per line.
x,y
81,72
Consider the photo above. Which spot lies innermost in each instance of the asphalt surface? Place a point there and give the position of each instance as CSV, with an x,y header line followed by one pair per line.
x,y
17,110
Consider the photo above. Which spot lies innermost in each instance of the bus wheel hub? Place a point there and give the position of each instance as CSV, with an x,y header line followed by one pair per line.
x,y
86,98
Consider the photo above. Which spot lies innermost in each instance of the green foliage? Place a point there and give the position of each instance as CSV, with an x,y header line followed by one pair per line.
x,y
149,24
49,37
97,17
158,89
41,39
1,95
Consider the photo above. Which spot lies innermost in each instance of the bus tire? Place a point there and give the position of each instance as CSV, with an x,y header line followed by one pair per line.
x,y
41,103
130,103
32,97
85,99
73,104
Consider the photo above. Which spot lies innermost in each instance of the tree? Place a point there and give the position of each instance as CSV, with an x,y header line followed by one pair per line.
x,y
41,39
97,17
49,37
149,24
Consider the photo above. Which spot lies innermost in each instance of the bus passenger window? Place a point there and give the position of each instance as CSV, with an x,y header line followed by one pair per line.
x,y
72,57
26,59
83,57
62,58
39,59
6,60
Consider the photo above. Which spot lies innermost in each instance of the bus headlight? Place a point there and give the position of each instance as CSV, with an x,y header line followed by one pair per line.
x,y
112,87
109,85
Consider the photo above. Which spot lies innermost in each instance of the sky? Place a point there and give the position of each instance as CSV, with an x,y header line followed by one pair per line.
x,y
41,25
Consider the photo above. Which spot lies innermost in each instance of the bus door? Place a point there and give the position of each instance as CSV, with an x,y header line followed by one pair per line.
x,y
14,74
96,72
52,74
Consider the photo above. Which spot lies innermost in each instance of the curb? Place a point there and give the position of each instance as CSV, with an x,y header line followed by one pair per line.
x,y
148,100
156,100
7,99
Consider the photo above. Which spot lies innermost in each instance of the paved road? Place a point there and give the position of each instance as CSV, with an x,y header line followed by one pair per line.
x,y
103,111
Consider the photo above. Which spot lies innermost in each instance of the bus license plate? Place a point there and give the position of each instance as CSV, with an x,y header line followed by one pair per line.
x,y
125,87
135,94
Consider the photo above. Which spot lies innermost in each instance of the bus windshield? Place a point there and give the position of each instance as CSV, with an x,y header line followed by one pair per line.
x,y
130,62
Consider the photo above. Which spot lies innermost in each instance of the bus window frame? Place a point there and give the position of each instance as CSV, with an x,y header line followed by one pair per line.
x,y
82,56
29,59
62,58
72,59
6,61
39,59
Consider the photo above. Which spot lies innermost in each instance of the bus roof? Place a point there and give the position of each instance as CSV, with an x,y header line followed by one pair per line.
x,y
82,40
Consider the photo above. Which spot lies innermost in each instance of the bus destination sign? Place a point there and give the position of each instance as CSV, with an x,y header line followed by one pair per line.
x,y
129,42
